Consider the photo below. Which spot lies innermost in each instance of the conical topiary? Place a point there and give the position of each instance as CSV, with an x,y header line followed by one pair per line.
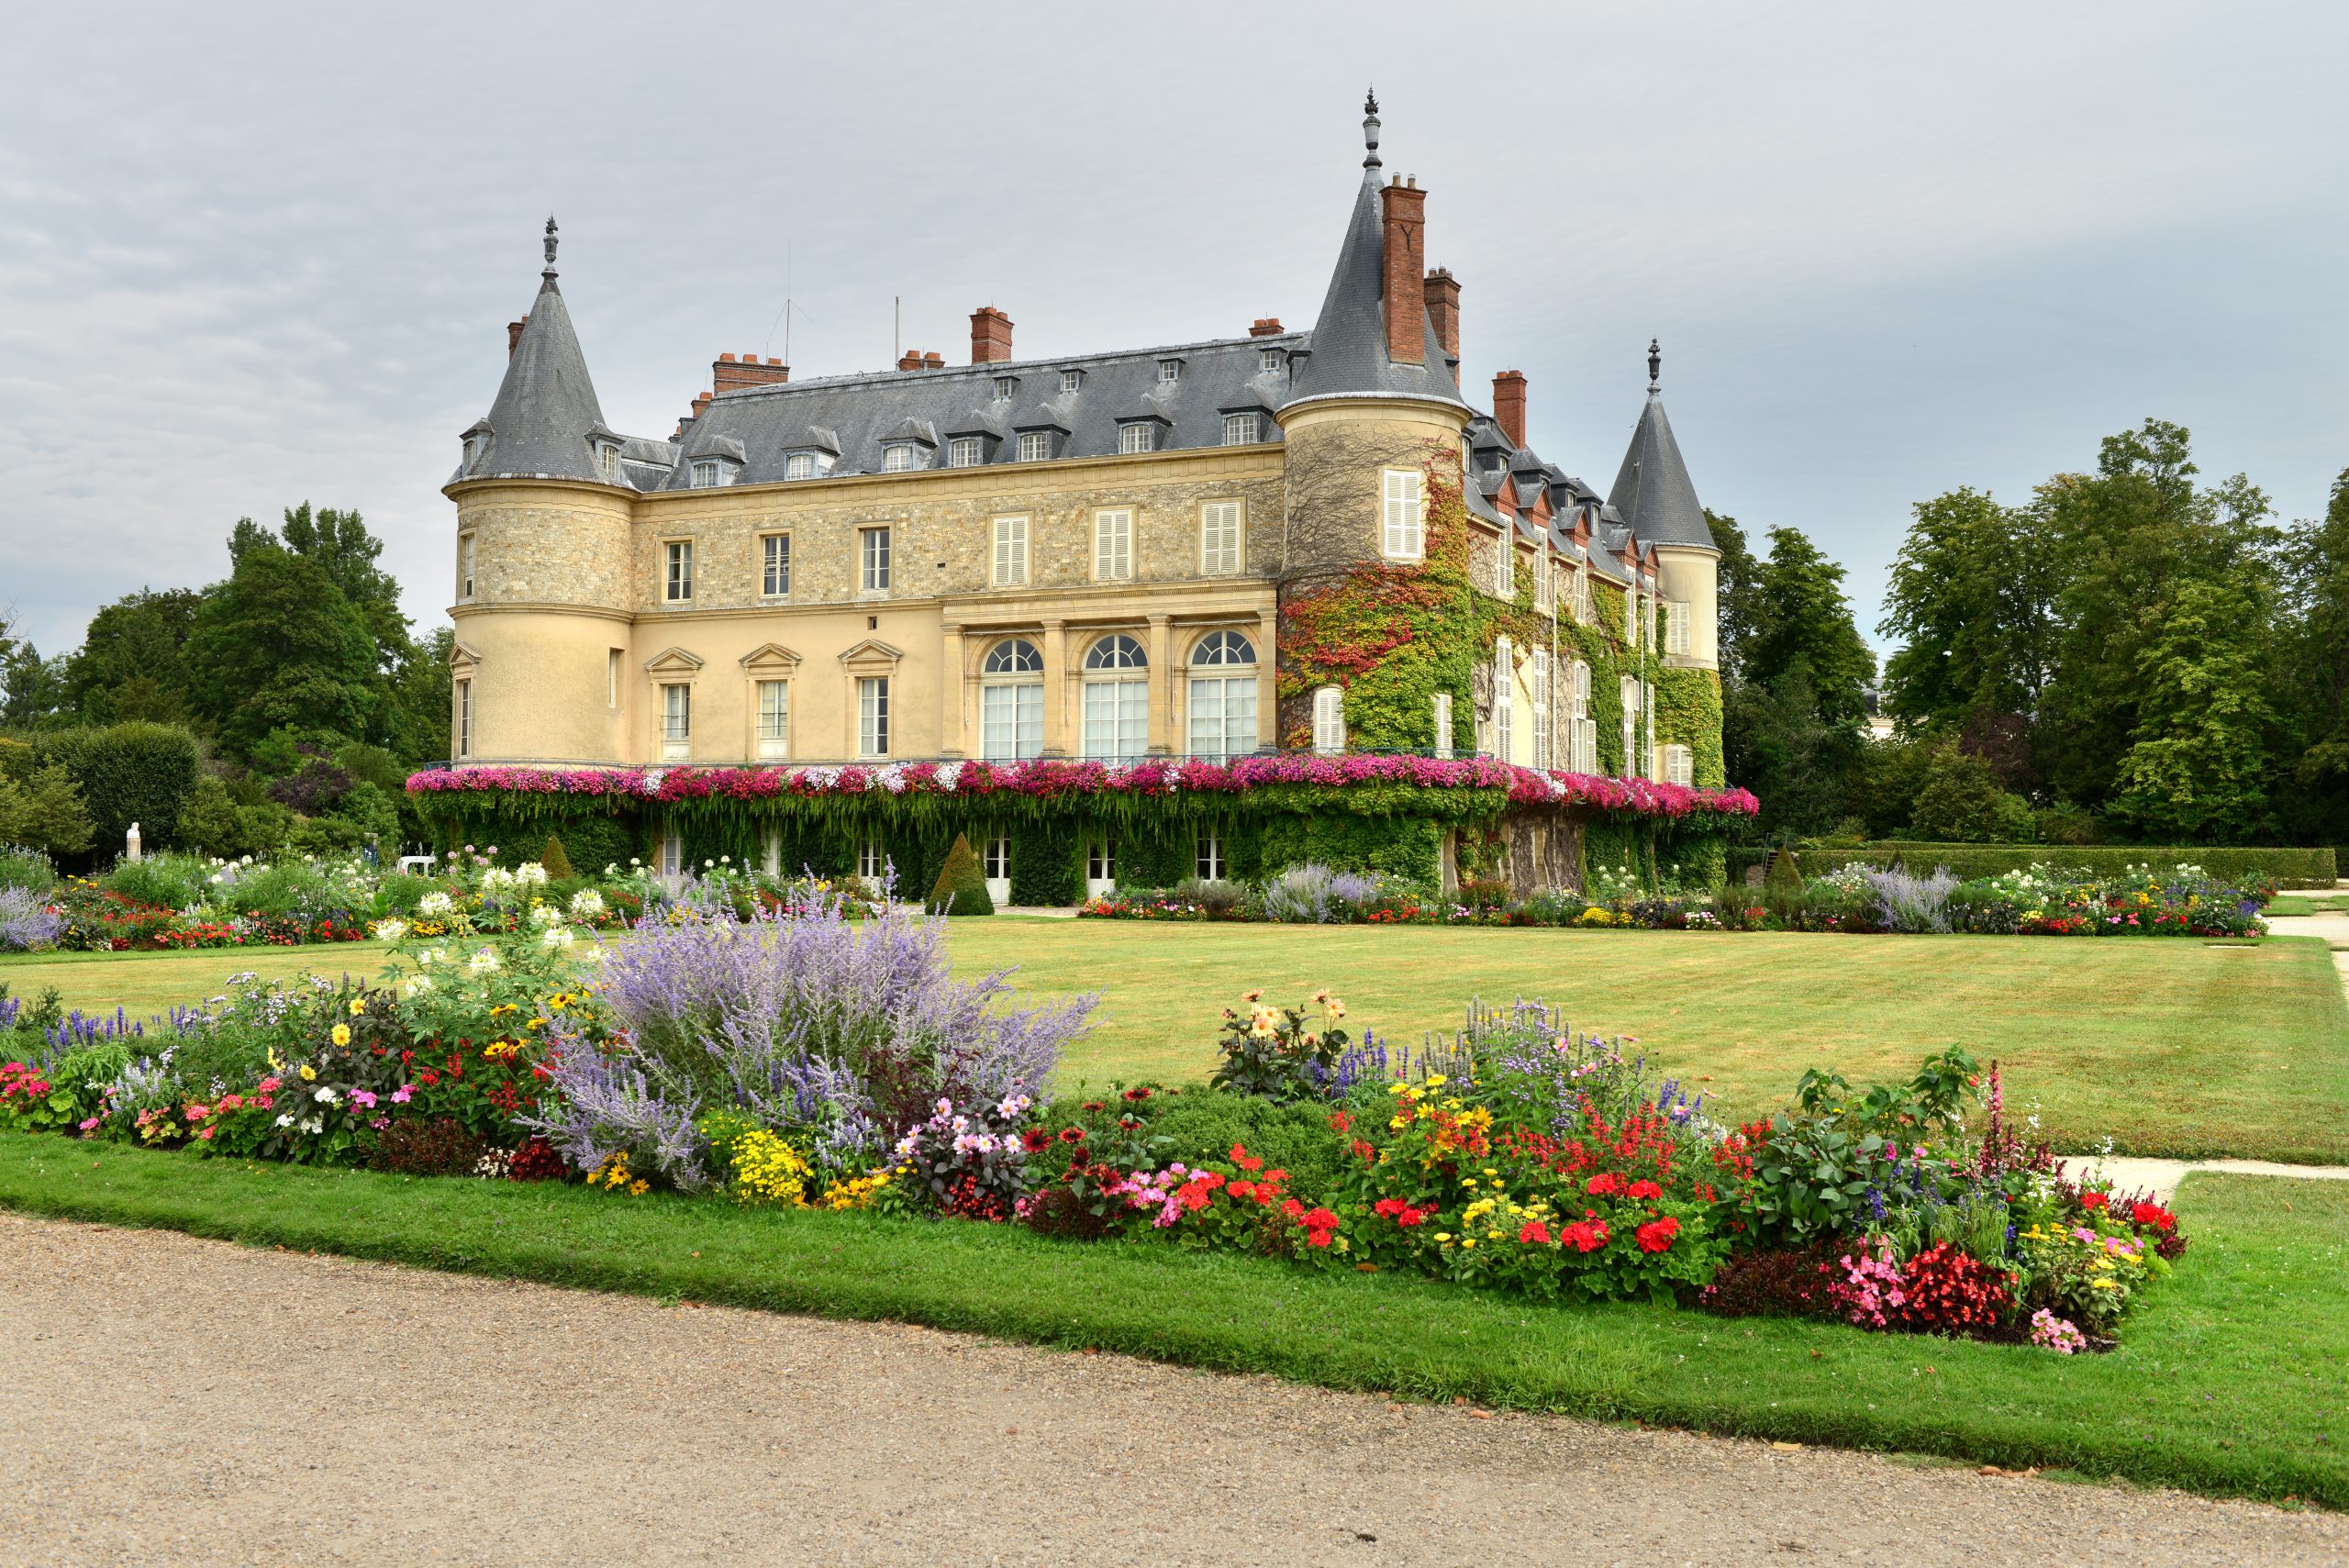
x,y
557,863
961,887
1784,871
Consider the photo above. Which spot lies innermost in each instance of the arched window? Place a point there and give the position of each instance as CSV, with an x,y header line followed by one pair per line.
x,y
1224,701
1117,700
1012,701
1328,720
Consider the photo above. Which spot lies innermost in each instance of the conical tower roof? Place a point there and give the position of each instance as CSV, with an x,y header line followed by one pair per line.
x,y
546,420
1348,348
1652,490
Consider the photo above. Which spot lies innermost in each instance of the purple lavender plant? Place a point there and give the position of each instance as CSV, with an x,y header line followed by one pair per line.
x,y
27,923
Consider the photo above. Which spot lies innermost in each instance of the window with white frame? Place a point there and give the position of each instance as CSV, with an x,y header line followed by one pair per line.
x,y
775,720
799,465
1538,680
1207,858
708,474
1545,598
1101,867
898,457
1035,446
1443,724
1505,563
1113,546
1404,534
1137,436
1004,387
1503,700
995,860
1328,720
1675,627
676,722
1223,697
1679,764
964,452
1169,372
872,861
1117,700
672,853
607,462
464,718
679,582
464,567
872,715
1219,536
1010,568
1271,361
1629,690
1072,380
774,565
612,659
1582,595
874,553
1012,701
1582,731
1239,429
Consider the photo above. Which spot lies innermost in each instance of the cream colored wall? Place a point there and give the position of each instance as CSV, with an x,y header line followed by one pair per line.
x,y
1337,450
1691,575
538,683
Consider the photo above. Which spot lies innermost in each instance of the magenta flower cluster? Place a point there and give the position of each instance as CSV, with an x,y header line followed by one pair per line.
x,y
1055,777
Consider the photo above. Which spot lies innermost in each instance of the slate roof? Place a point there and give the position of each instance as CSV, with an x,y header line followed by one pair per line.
x,y
1652,490
1349,341
546,420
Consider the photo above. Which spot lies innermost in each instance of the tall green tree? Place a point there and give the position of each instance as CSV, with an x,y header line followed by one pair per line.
x,y
132,663
1737,579
2311,679
1803,613
2197,766
278,646
1972,599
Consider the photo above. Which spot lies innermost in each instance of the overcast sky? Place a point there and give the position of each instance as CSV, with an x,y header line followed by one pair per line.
x,y
252,255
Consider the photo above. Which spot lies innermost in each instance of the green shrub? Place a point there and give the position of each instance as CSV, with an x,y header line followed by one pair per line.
x,y
1970,862
1294,1135
1784,874
44,811
371,814
961,887
171,880
557,863
27,868
128,772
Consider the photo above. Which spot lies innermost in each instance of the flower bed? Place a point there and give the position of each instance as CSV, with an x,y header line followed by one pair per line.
x,y
806,1052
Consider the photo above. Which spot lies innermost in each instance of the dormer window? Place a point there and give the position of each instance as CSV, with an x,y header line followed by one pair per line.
x,y
1239,429
1141,435
1169,372
708,475
965,451
1072,381
1004,387
607,460
901,457
799,465
1035,446
472,452
1269,361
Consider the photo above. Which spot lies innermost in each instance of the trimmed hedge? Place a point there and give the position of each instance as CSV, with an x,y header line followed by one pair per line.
x,y
2290,868
128,772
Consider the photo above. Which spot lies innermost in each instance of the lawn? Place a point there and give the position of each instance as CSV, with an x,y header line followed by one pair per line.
x,y
2171,1047
2308,904
2234,1378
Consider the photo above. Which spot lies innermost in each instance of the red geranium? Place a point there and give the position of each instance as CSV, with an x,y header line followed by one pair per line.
x,y
2094,1200
1535,1233
1657,1234
1607,1183
1645,1189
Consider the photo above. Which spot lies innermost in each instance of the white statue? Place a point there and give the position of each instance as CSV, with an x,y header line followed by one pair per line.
x,y
130,843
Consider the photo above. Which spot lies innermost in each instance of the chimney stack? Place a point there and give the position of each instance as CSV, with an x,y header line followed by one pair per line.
x,y
514,335
727,372
1265,326
990,336
701,405
1404,208
1508,405
910,360
933,360
1443,309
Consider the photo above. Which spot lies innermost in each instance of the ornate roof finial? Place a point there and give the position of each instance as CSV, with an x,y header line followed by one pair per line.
x,y
1370,128
1656,364
551,241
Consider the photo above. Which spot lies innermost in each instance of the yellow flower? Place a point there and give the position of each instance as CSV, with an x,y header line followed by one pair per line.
x,y
1443,1235
342,1034
308,1072
1467,1241
1435,1080
358,1006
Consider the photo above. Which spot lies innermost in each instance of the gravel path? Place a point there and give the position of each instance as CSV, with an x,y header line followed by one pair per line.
x,y
173,1400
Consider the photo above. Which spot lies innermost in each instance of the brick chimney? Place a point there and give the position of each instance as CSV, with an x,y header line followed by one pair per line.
x,y
933,360
1405,207
727,372
513,334
1508,405
701,405
990,336
1265,326
1443,309
910,360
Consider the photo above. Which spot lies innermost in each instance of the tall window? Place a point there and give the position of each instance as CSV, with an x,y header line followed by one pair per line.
x,y
1140,436
774,565
464,718
899,457
1443,724
872,715
672,853
612,678
1239,429
464,567
1405,538
1101,867
1223,697
1207,858
1328,720
799,465
1117,700
872,861
1012,701
1503,700
995,862
1582,731
1035,446
1219,536
1675,627
1537,678
1679,765
1582,595
1010,552
607,463
1630,692
1505,563
964,452
1113,546
1545,597
676,722
775,719
680,581
874,546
